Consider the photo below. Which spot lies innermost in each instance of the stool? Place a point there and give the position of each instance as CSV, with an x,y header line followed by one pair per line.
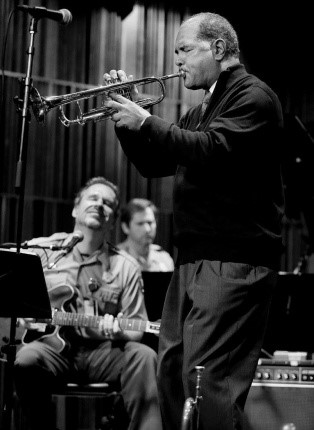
x,y
95,406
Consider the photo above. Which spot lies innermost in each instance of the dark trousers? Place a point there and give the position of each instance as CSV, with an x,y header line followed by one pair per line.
x,y
215,315
39,369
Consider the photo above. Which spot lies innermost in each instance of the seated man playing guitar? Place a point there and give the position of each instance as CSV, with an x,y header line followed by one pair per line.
x,y
98,318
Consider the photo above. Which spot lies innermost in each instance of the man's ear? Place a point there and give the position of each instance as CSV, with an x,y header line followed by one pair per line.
x,y
219,49
125,228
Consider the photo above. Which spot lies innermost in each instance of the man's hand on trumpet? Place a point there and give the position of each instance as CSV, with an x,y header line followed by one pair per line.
x,y
128,114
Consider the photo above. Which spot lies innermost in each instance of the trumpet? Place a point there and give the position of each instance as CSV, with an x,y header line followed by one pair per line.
x,y
42,105
191,409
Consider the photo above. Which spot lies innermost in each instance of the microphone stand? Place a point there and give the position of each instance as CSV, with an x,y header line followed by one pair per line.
x,y
10,348
24,129
303,261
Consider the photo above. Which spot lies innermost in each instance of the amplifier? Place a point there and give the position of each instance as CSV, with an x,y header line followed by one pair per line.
x,y
281,397
280,406
285,371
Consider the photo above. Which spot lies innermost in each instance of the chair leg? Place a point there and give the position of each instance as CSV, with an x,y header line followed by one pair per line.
x,y
115,417
88,412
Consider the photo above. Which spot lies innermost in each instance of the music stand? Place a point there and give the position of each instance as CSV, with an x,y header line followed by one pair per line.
x,y
23,293
291,314
155,289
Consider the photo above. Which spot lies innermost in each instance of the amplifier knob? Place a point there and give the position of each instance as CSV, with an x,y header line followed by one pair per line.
x,y
258,375
266,375
278,376
285,376
293,376
289,426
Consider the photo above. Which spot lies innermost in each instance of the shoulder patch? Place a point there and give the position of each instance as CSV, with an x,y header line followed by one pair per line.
x,y
59,236
115,250
41,240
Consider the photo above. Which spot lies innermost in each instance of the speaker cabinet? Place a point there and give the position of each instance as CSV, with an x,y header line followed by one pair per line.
x,y
272,406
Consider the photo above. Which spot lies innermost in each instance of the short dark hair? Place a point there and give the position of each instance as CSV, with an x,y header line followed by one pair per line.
x,y
99,180
136,205
213,26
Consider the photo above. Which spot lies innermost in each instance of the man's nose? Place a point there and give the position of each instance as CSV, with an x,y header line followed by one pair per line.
x,y
100,205
178,61
148,227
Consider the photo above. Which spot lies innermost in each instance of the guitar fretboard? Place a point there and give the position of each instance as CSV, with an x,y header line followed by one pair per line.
x,y
83,320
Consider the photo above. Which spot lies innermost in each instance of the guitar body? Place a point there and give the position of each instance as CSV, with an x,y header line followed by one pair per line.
x,y
60,329
53,336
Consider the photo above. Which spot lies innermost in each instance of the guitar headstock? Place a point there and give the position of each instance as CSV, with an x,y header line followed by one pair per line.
x,y
139,325
152,327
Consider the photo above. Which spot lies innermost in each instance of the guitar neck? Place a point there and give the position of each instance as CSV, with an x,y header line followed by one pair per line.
x,y
83,320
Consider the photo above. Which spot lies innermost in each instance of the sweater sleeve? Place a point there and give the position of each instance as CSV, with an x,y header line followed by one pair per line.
x,y
150,159
247,119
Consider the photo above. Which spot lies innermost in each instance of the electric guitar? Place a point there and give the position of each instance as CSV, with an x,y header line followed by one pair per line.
x,y
52,331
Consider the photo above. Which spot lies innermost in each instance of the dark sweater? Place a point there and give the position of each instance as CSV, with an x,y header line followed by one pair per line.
x,y
228,195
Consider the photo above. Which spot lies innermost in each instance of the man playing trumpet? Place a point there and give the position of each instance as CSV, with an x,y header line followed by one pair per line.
x,y
228,203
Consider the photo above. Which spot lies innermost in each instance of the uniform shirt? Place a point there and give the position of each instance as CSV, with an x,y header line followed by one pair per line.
x,y
108,281
158,260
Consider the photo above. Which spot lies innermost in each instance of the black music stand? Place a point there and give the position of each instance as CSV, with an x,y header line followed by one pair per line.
x,y
155,289
23,289
290,319
23,293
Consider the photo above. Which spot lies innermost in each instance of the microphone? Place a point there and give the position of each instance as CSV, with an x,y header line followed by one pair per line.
x,y
76,238
63,16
